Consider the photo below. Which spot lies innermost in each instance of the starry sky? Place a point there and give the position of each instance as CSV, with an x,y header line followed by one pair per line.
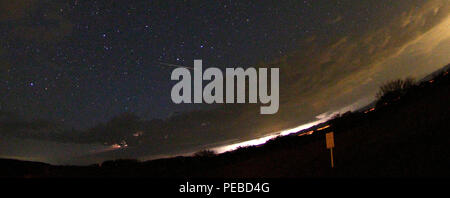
x,y
81,63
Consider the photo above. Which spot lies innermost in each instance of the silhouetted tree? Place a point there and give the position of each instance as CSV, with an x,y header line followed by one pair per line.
x,y
394,90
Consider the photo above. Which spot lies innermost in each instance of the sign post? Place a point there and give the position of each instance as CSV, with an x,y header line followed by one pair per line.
x,y
330,145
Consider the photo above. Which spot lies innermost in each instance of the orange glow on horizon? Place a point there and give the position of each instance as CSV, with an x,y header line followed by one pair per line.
x,y
306,133
325,127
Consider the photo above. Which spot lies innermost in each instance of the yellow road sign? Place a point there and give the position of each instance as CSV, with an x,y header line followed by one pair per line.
x,y
330,145
330,140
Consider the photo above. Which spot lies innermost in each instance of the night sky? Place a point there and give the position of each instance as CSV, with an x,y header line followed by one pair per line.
x,y
80,63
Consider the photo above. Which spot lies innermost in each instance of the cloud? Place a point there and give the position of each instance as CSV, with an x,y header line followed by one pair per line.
x,y
325,75
328,73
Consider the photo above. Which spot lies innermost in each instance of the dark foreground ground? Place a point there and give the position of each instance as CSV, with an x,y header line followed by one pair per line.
x,y
409,137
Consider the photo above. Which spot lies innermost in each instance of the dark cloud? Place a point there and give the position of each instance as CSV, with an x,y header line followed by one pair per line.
x,y
326,72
